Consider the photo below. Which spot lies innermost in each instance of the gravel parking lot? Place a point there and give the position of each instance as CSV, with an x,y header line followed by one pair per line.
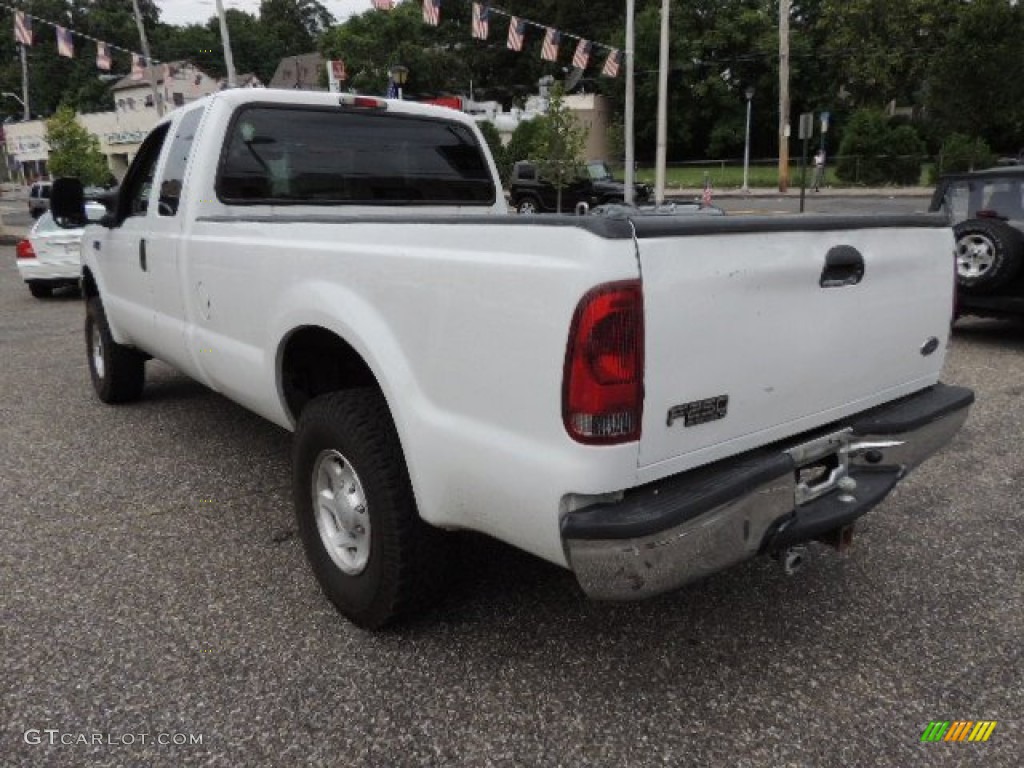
x,y
153,590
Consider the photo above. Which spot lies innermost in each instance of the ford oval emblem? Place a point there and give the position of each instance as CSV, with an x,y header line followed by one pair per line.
x,y
929,346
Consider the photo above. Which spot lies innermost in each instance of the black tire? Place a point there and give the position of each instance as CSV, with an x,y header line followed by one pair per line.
x,y
118,373
347,435
40,290
528,205
988,255
36,213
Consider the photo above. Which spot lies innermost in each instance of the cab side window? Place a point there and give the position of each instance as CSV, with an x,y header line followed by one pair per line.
x,y
134,198
177,161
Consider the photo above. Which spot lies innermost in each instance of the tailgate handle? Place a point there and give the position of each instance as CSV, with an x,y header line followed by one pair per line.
x,y
844,265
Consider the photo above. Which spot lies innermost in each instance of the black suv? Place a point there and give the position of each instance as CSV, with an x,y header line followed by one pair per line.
x,y
594,185
987,211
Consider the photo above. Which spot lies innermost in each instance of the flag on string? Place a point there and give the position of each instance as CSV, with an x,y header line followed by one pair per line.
x,y
103,56
516,33
611,64
383,5
581,58
549,51
392,92
22,28
138,71
481,21
65,45
432,12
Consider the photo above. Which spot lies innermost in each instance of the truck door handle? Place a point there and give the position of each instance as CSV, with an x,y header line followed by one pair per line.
x,y
844,265
142,254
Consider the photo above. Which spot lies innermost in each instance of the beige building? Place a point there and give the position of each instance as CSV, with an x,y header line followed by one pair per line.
x,y
119,132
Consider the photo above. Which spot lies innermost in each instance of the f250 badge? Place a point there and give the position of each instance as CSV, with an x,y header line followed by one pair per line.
x,y
699,411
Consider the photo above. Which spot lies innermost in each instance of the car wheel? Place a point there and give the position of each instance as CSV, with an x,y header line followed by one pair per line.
x,y
40,290
527,206
35,213
372,555
988,255
118,373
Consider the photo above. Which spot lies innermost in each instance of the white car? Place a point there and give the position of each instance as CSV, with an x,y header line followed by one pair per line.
x,y
50,257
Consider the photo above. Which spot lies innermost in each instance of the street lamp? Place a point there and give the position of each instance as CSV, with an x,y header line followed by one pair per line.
x,y
749,93
399,75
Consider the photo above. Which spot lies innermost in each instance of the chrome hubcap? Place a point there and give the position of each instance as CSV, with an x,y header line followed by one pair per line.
x,y
527,207
974,255
97,352
342,519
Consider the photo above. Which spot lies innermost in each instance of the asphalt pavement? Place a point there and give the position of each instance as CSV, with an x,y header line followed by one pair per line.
x,y
154,589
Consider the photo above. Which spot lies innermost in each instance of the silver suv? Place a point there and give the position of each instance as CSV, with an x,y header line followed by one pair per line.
x,y
39,199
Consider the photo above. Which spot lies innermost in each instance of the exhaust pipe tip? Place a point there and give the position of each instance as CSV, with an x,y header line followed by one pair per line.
x,y
793,559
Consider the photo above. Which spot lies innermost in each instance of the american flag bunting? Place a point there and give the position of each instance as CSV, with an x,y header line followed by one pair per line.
x,y
581,58
383,5
432,12
481,21
706,197
103,56
611,64
392,92
65,45
549,51
22,28
516,33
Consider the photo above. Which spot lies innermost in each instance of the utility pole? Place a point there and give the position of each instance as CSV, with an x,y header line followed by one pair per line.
x,y
24,83
229,60
783,95
662,146
157,101
627,195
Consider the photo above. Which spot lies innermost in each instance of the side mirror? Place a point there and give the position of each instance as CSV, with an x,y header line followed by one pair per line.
x,y
67,203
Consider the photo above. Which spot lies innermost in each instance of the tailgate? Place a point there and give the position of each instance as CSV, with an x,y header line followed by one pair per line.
x,y
757,329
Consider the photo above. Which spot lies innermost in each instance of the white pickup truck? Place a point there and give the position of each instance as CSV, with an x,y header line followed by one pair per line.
x,y
642,399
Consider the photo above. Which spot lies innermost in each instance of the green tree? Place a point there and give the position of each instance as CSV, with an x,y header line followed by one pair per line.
x,y
558,153
73,150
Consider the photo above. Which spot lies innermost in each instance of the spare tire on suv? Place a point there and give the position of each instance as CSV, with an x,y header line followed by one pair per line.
x,y
988,254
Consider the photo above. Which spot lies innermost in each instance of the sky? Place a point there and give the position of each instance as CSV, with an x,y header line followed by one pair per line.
x,y
199,11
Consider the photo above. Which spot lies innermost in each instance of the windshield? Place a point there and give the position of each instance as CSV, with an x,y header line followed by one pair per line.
x,y
1001,197
598,171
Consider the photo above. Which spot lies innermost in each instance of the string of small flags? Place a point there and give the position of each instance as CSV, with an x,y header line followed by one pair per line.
x,y
24,35
517,29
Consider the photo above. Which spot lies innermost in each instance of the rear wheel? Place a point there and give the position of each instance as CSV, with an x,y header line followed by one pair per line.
x,y
118,373
373,556
988,255
40,290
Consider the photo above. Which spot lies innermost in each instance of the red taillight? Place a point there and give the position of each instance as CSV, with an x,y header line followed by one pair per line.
x,y
24,250
603,387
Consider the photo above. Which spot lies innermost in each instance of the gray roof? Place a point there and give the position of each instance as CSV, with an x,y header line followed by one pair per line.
x,y
301,72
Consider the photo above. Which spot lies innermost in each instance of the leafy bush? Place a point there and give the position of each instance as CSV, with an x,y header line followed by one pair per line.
x,y
865,141
524,143
960,152
906,153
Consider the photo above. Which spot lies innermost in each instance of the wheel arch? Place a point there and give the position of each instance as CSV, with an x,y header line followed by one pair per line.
x,y
313,360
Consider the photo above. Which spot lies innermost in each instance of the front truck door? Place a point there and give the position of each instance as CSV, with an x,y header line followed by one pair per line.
x,y
122,251
164,243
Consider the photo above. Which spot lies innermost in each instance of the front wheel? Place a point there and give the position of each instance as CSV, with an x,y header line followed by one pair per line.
x,y
372,555
118,373
527,206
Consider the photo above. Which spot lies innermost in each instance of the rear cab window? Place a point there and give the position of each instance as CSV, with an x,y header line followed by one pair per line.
x,y
302,155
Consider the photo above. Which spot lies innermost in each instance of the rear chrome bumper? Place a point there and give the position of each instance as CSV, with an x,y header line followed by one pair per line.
x,y
669,533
